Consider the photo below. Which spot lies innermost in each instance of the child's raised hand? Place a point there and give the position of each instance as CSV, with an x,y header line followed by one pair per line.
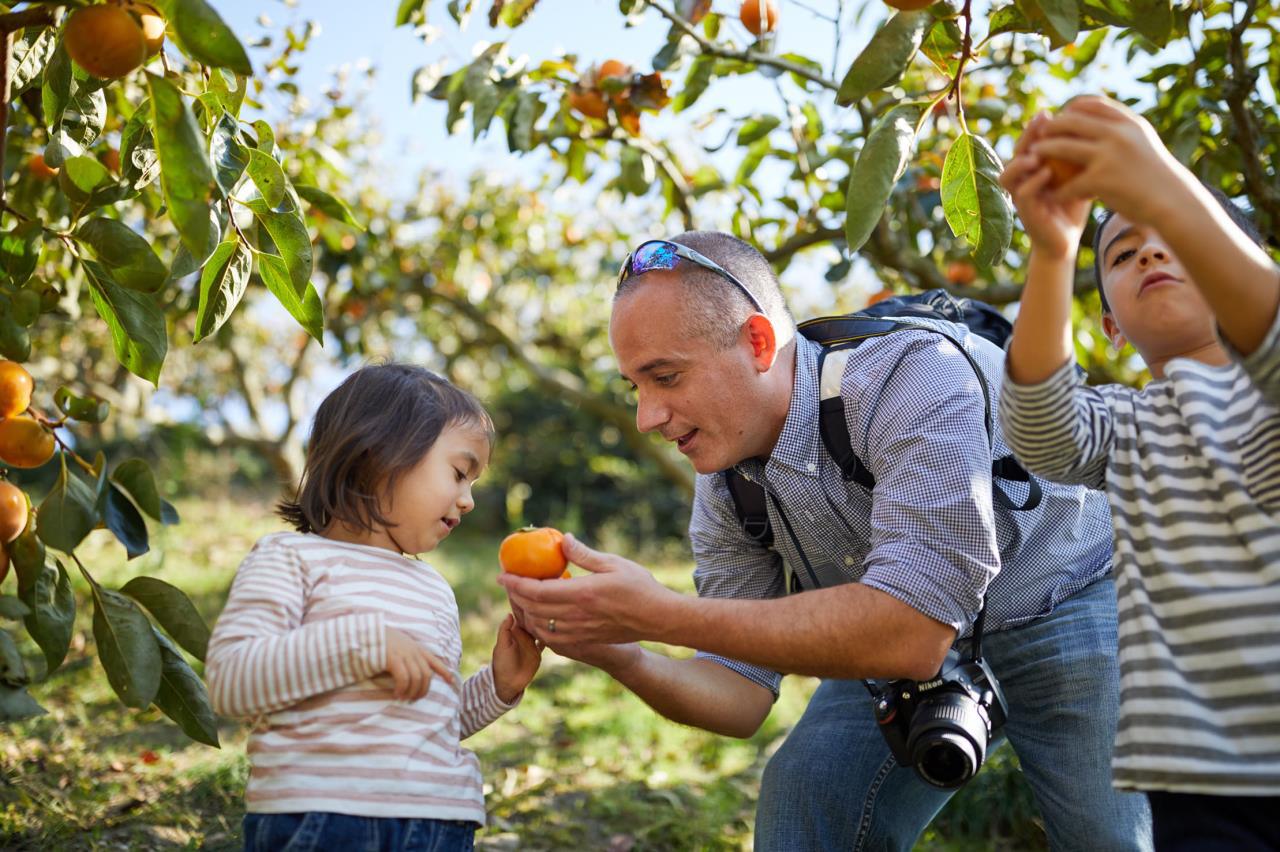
x,y
516,657
1124,164
1053,225
410,666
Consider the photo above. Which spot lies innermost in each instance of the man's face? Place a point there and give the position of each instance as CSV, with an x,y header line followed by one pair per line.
x,y
703,398
1154,304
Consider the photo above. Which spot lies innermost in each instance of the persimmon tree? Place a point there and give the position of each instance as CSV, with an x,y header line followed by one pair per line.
x,y
139,205
883,149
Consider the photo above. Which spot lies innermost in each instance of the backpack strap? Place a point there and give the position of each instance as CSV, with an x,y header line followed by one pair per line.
x,y
751,507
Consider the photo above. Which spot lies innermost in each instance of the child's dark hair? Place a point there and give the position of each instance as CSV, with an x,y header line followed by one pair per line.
x,y
377,425
1242,220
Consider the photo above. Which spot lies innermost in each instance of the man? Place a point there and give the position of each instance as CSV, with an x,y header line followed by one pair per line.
x,y
889,577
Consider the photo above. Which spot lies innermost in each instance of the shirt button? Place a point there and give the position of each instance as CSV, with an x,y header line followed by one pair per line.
x,y
848,560
812,467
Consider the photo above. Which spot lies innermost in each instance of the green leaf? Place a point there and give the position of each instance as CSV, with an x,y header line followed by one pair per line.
x,y
84,175
206,38
523,117
84,116
757,127
138,332
137,480
514,12
229,155
975,206
20,250
56,91
182,695
127,256
17,704
942,46
13,672
880,163
222,284
1009,19
885,58
66,514
266,137
695,83
636,171
289,233
12,608
334,208
139,162
185,174
1153,19
51,621
174,610
127,647
410,11
31,52
228,88
1058,19
268,177
306,309
125,522
86,409
27,554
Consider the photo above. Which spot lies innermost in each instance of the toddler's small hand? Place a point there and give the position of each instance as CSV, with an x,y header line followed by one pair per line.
x,y
410,666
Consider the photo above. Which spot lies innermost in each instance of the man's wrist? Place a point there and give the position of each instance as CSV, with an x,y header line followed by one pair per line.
x,y
675,619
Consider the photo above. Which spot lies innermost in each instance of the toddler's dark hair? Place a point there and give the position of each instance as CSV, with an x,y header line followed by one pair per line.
x,y
1242,219
376,426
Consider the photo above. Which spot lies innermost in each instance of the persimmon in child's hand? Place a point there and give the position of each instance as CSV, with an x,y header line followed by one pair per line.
x,y
533,553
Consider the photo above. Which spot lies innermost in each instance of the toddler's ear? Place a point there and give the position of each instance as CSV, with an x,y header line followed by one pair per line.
x,y
1112,330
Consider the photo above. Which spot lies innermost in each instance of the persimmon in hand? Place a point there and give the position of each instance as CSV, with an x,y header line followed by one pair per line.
x,y
533,553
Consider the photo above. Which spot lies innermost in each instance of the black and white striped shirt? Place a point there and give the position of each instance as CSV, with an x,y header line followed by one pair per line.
x,y
1191,464
928,534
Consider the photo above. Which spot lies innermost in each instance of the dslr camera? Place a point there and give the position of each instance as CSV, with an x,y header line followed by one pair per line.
x,y
942,726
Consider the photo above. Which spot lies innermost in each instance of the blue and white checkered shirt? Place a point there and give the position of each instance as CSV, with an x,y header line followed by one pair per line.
x,y
928,534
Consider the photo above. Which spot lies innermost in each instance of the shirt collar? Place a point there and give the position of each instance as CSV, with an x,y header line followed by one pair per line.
x,y
798,443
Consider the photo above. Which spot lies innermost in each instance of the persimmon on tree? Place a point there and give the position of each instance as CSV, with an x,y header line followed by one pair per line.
x,y
138,205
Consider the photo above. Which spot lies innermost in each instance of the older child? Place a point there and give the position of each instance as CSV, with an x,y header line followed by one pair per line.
x,y
343,648
1191,463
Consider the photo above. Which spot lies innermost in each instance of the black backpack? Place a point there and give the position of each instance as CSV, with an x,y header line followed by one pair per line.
x,y
840,334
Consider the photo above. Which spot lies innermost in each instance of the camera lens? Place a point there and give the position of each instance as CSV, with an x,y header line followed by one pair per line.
x,y
948,740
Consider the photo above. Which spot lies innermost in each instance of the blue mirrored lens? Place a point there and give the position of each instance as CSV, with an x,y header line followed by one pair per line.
x,y
653,256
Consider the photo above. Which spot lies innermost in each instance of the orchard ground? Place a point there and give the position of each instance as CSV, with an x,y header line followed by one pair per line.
x,y
582,764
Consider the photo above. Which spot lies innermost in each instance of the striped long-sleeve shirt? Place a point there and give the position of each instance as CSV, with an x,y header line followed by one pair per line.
x,y
1191,464
301,649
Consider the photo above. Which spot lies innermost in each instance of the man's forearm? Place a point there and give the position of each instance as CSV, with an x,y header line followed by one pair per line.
x,y
695,692
850,631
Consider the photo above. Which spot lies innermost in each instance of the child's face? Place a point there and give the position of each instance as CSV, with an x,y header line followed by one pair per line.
x,y
428,501
1154,303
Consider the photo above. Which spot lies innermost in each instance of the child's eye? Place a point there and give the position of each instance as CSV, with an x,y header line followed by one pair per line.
x,y
459,474
1122,257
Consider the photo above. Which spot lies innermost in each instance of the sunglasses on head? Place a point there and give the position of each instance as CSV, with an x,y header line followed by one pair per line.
x,y
664,254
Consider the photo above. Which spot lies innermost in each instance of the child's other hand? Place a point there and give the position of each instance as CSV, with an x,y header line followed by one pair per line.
x,y
1125,165
1054,226
516,657
410,666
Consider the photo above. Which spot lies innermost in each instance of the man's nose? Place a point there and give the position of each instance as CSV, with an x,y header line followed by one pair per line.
x,y
650,415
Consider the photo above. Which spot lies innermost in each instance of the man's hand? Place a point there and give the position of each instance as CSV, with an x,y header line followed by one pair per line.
x,y
618,602
410,666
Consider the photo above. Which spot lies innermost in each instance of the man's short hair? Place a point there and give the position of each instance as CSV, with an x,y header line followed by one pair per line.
x,y
714,308
1238,215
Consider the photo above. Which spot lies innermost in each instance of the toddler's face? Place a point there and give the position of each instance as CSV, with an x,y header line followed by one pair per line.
x,y
1154,303
428,501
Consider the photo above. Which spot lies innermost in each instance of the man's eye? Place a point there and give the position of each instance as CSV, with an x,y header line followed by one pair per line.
x,y
1122,257
665,381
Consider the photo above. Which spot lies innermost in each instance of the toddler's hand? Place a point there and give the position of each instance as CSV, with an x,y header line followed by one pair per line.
x,y
1054,226
516,657
410,666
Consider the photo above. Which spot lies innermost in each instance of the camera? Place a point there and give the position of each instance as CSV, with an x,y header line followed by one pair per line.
x,y
942,726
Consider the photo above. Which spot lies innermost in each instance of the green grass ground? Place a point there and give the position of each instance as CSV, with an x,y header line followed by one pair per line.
x,y
581,765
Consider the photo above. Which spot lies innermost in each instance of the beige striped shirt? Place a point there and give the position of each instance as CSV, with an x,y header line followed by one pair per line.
x,y
301,650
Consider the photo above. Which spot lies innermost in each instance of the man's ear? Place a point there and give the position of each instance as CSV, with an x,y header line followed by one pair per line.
x,y
764,343
1112,330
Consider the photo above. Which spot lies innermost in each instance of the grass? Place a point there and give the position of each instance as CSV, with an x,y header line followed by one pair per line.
x,y
582,764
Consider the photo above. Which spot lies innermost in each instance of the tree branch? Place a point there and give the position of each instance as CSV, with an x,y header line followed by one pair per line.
x,y
712,49
36,16
1243,127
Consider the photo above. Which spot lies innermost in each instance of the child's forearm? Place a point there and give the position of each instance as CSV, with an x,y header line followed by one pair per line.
x,y
249,675
1237,278
480,703
1041,340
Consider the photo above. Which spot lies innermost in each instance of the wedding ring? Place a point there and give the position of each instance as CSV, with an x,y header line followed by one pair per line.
x,y
551,625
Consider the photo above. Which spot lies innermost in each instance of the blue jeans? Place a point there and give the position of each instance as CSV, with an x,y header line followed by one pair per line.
x,y
834,784
315,831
